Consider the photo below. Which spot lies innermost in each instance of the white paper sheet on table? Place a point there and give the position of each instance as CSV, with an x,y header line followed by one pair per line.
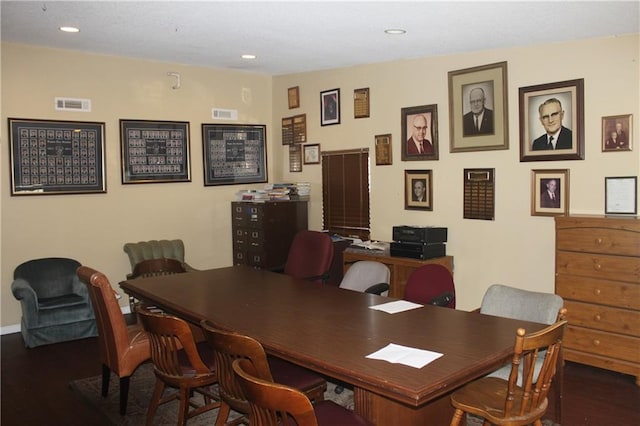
x,y
396,306
399,354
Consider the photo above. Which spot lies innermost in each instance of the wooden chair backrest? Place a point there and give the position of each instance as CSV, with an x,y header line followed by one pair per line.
x,y
113,335
227,347
167,336
271,403
155,267
546,343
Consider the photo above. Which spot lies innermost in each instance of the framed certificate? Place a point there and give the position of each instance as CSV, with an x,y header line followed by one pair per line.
x,y
620,195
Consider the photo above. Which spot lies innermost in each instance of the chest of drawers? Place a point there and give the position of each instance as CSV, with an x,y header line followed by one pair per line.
x,y
598,276
262,232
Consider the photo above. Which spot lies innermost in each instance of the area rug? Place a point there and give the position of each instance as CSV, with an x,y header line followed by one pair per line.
x,y
140,390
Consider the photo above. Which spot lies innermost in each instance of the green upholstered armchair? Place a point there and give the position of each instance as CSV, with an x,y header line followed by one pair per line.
x,y
155,249
55,304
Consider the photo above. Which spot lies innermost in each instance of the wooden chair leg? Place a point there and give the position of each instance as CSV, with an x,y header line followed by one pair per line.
x,y
223,414
106,375
155,401
457,417
184,406
124,394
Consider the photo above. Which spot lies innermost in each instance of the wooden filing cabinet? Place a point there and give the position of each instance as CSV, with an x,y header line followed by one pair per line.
x,y
262,232
598,276
400,267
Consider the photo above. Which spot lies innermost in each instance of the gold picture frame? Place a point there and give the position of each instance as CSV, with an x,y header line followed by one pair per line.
x,y
480,89
543,184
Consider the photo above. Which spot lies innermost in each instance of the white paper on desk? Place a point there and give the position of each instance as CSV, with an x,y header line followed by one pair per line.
x,y
398,354
396,306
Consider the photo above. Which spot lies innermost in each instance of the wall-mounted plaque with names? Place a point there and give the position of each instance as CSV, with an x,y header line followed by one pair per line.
x,y
479,194
295,158
287,130
361,103
300,128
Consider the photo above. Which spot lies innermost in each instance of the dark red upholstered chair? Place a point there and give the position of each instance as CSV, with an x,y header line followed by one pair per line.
x,y
310,256
229,346
275,404
431,284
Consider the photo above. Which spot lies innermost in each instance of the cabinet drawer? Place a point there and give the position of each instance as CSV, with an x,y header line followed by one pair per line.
x,y
612,345
603,318
618,268
602,292
594,239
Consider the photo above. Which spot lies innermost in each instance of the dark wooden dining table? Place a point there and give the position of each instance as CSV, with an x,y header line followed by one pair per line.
x,y
332,330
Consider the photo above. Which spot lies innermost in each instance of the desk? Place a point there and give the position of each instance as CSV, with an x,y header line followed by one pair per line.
x,y
330,330
400,267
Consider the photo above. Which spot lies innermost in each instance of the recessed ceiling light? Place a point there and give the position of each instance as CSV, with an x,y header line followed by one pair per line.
x,y
70,29
247,56
395,31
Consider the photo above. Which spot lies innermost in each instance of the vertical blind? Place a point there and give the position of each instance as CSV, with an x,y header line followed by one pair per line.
x,y
345,192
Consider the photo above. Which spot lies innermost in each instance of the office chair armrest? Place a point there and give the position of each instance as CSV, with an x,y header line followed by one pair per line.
x,y
378,289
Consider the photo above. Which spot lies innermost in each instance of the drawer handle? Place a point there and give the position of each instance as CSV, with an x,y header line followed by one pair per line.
x,y
598,240
597,266
596,317
596,342
596,292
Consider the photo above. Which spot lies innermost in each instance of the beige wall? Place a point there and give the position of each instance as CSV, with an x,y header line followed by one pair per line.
x,y
515,249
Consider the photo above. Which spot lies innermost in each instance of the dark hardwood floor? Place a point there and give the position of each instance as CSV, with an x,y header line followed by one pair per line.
x,y
35,388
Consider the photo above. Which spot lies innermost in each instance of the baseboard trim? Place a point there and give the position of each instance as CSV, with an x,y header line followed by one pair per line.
x,y
15,328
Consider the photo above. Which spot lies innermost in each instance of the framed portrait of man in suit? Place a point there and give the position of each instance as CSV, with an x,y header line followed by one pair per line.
x,y
550,192
552,121
418,190
478,108
419,133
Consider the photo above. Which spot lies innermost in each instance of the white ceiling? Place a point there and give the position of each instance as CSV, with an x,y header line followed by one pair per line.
x,y
297,36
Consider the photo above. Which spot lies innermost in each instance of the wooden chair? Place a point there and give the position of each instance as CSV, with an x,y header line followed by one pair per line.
x,y
179,363
504,402
122,348
153,268
431,284
275,404
229,346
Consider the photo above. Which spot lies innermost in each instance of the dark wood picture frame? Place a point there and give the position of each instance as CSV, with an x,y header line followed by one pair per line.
x,y
234,154
570,113
412,179
542,183
424,115
154,151
311,154
330,107
617,132
51,157
293,97
482,88
620,195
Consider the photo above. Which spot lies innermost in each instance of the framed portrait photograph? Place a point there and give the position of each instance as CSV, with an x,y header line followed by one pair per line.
x,y
552,121
50,157
550,192
419,133
383,150
234,154
418,190
154,151
616,133
293,96
312,153
330,107
620,195
478,108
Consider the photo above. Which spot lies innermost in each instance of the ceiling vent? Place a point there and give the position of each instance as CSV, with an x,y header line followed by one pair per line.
x,y
71,104
224,114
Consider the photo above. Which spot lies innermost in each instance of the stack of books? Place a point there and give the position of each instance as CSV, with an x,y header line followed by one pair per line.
x,y
253,195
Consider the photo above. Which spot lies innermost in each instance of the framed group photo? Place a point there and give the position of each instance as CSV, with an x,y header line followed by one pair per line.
x,y
234,154
330,107
51,157
552,121
617,131
418,190
550,192
478,108
419,133
154,151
